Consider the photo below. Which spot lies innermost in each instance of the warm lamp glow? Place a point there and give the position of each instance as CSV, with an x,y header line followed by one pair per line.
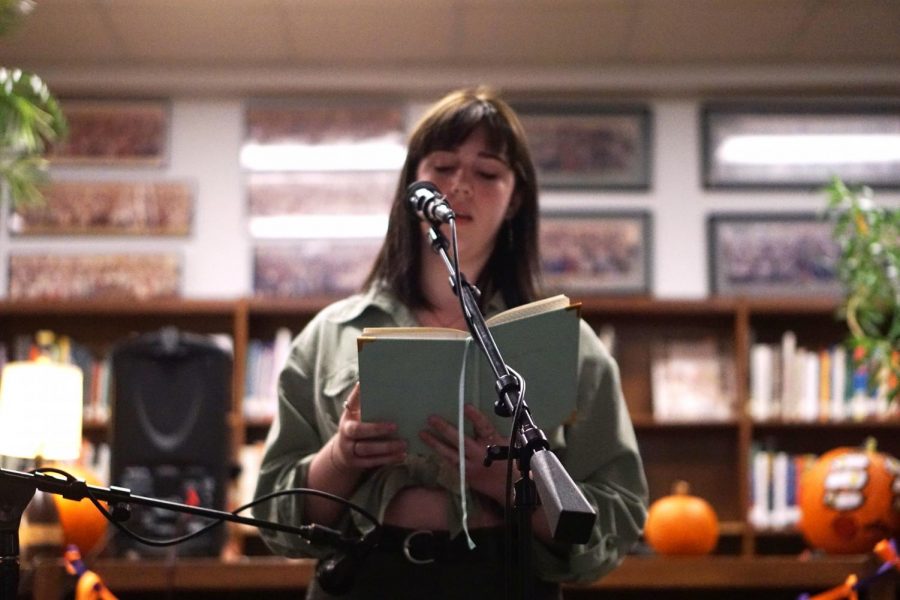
x,y
40,410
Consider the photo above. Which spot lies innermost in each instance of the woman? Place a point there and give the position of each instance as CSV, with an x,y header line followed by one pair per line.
x,y
471,146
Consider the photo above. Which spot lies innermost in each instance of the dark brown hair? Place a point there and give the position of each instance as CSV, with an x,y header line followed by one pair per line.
x,y
513,267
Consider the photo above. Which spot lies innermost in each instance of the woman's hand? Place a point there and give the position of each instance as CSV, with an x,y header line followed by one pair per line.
x,y
443,438
358,445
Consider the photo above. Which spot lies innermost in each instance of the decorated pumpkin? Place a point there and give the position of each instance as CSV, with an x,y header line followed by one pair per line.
x,y
82,524
682,524
850,499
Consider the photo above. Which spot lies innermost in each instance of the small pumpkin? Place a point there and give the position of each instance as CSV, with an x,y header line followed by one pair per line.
x,y
850,499
682,524
82,524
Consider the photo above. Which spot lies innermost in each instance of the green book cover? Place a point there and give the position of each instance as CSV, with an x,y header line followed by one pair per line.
x,y
407,374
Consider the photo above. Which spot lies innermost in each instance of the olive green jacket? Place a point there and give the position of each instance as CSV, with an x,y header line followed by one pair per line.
x,y
598,449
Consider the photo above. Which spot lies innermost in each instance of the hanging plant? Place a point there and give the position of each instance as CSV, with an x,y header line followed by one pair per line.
x,y
869,268
30,120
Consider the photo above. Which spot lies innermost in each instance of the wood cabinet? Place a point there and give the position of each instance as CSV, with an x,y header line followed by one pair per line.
x,y
712,456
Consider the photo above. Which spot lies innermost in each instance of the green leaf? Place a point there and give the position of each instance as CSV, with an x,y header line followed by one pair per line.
x,y
30,122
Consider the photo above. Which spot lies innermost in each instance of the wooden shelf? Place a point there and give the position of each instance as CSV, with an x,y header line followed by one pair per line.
x,y
637,573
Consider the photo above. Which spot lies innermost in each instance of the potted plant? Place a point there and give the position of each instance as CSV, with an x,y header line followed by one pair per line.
x,y
869,268
30,120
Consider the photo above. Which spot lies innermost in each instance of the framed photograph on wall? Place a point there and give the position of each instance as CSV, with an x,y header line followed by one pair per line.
x,y
323,136
596,252
114,133
589,147
133,208
317,204
772,255
82,276
800,146
312,267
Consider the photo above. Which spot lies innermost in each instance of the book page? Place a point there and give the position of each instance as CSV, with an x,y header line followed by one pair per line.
x,y
532,308
406,333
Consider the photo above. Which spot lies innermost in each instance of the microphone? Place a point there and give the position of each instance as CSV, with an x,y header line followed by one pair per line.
x,y
336,573
427,201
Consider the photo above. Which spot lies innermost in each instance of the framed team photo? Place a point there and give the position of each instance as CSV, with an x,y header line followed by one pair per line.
x,y
772,255
590,147
596,252
114,133
140,276
126,208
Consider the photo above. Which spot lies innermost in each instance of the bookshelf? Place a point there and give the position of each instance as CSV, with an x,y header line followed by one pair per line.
x,y
712,456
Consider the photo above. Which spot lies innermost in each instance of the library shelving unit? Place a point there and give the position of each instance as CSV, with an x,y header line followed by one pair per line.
x,y
712,456
100,324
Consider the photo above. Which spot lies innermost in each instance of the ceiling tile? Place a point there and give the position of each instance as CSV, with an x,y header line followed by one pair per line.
x,y
715,30
60,31
847,31
373,32
545,33
453,34
201,31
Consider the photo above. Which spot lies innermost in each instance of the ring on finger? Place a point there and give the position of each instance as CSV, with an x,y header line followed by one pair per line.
x,y
355,453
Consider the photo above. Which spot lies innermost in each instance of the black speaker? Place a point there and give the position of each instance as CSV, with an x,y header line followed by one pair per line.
x,y
169,437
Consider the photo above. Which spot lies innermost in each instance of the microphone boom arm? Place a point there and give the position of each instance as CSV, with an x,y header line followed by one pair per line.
x,y
17,488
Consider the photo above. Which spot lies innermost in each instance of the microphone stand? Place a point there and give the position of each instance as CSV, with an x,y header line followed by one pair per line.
x,y
17,488
570,516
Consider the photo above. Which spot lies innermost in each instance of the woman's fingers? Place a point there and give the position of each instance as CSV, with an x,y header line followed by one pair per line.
x,y
443,437
376,448
363,445
351,404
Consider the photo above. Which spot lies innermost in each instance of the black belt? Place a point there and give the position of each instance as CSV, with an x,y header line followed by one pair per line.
x,y
423,546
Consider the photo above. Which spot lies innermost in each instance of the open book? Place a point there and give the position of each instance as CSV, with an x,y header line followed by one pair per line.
x,y
409,373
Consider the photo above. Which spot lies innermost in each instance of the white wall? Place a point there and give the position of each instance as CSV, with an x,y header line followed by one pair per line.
x,y
205,142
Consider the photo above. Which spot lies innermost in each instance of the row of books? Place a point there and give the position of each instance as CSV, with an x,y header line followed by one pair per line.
x,y
95,457
774,488
692,380
791,382
250,457
265,359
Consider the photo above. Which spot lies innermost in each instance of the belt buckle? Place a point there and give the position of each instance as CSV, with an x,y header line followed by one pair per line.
x,y
407,542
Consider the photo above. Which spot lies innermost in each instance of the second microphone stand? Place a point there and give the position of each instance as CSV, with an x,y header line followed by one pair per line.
x,y
570,516
17,488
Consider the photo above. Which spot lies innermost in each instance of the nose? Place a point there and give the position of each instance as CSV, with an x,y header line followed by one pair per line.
x,y
461,184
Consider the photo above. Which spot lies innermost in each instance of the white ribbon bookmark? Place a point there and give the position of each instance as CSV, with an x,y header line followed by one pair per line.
x,y
461,442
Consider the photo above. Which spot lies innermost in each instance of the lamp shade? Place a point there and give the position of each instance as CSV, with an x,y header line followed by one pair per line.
x,y
40,410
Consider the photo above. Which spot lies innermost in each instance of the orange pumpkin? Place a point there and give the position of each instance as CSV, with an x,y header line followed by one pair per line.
x,y
82,524
682,523
849,500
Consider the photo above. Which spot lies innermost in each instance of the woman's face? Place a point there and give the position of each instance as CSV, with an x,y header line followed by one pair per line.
x,y
479,185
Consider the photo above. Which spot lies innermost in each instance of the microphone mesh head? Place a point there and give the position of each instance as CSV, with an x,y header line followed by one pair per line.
x,y
420,192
